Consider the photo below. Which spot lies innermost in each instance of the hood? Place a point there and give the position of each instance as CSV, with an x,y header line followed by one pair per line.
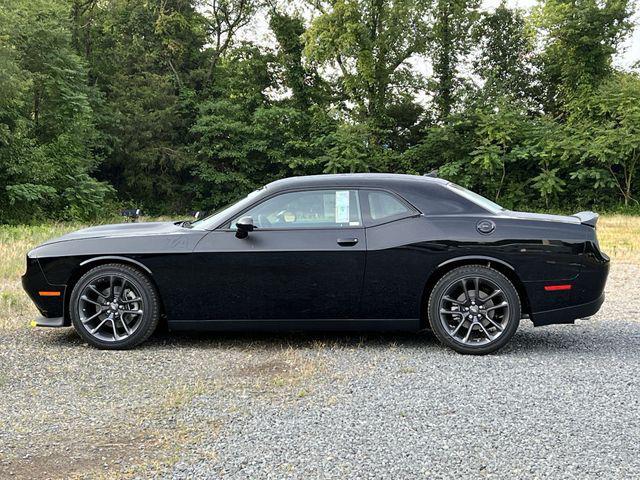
x,y
542,216
120,230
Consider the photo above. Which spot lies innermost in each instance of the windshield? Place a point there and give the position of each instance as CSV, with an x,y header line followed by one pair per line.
x,y
477,199
213,220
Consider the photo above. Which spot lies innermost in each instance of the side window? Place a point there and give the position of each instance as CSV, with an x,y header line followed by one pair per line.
x,y
384,206
308,209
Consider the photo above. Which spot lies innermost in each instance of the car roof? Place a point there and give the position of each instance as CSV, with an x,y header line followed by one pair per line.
x,y
352,179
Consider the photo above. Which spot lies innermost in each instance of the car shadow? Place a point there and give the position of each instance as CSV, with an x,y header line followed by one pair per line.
x,y
295,339
565,339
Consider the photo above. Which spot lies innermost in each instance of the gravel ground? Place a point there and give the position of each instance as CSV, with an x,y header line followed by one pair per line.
x,y
557,402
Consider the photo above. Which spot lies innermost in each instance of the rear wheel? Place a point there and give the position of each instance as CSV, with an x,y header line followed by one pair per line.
x,y
474,309
114,306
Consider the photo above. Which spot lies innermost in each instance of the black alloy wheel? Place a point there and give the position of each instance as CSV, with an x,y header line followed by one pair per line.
x,y
474,309
114,306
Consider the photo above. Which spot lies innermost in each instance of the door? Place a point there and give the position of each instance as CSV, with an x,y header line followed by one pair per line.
x,y
395,274
304,260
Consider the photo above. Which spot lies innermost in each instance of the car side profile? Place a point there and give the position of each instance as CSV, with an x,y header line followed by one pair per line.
x,y
327,252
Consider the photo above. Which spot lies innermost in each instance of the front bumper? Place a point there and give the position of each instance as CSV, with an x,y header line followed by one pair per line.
x,y
567,314
51,307
54,322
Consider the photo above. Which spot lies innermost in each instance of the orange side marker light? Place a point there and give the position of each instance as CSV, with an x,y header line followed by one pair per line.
x,y
49,294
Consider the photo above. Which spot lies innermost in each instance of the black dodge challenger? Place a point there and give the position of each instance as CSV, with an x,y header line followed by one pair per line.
x,y
327,252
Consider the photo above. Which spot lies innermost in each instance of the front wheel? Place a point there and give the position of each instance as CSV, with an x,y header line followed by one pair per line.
x,y
114,307
474,309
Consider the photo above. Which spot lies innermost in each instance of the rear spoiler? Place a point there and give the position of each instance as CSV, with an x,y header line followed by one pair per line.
x,y
587,218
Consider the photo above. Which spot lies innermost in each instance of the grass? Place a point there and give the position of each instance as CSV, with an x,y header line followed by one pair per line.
x,y
619,237
15,242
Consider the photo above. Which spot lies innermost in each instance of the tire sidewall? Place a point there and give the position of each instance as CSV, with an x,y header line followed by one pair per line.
x,y
149,299
487,273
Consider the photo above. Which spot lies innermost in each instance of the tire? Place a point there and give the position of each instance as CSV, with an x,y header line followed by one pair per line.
x,y
114,307
472,317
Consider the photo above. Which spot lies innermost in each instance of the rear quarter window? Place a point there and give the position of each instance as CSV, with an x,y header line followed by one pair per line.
x,y
435,199
384,206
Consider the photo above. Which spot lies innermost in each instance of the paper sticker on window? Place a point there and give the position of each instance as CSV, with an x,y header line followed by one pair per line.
x,y
342,206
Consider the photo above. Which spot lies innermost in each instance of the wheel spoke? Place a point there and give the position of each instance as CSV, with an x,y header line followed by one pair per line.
x,y
133,312
493,294
92,316
124,282
466,337
476,282
495,324
111,282
500,305
115,331
94,330
464,287
84,298
450,312
449,299
457,329
485,331
96,291
126,327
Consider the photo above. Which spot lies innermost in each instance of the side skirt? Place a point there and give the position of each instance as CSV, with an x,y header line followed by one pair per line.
x,y
409,324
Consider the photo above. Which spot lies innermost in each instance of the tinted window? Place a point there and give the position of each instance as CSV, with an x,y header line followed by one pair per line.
x,y
383,205
477,199
308,209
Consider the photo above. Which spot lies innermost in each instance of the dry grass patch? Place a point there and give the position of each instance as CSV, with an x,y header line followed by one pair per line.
x,y
619,237
15,241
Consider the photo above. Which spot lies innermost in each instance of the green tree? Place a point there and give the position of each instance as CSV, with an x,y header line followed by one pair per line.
x,y
506,54
46,120
369,43
307,87
580,38
603,132
146,58
223,19
451,41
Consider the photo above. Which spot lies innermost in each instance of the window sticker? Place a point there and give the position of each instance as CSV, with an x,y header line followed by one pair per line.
x,y
342,206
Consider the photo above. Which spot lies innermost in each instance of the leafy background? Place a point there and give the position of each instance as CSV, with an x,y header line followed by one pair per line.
x,y
165,105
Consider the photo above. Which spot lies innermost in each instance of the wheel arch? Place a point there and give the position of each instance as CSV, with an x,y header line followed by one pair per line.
x,y
500,265
101,260
86,265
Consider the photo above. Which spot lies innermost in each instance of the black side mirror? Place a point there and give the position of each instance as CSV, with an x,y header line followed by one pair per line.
x,y
244,226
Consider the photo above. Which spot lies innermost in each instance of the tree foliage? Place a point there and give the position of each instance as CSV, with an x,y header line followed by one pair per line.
x,y
169,106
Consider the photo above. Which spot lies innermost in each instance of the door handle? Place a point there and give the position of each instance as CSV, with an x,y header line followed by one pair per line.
x,y
347,242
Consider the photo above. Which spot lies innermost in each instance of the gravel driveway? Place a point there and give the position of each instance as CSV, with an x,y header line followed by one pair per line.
x,y
559,401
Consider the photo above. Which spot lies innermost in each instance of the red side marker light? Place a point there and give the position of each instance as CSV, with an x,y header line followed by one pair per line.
x,y
49,294
555,288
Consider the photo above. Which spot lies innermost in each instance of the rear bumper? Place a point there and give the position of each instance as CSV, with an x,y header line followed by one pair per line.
x,y
567,314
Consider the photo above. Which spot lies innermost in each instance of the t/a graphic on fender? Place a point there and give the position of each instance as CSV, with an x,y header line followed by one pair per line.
x,y
327,252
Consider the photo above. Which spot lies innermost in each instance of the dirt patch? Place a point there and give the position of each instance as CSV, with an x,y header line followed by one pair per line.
x,y
79,457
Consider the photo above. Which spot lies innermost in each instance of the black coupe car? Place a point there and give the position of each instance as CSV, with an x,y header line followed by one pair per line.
x,y
329,252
